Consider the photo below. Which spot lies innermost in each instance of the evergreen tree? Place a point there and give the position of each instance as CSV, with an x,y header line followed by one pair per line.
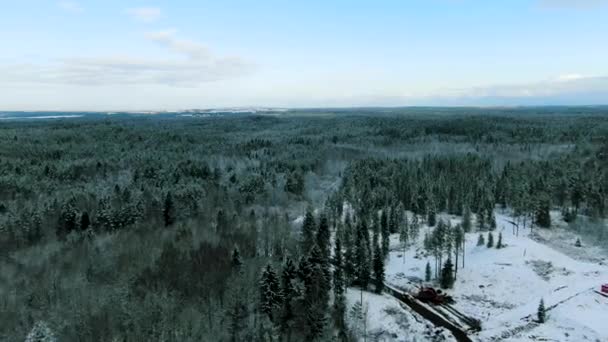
x,y
466,220
288,293
490,240
317,260
323,237
221,222
362,256
578,243
384,229
315,304
393,221
543,218
541,313
339,286
481,241
431,216
308,232
447,277
427,272
481,223
492,220
458,244
85,221
378,269
404,235
270,295
349,250
235,261
237,316
499,244
168,210
67,220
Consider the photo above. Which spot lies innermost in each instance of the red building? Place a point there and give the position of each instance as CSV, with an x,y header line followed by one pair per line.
x,y
605,288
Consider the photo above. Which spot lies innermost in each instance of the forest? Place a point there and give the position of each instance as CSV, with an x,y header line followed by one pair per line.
x,y
251,227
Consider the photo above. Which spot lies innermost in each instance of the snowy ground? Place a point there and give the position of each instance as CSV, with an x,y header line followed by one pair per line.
x,y
502,287
387,320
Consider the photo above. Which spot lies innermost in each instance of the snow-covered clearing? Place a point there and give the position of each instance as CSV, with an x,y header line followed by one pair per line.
x,y
503,287
387,320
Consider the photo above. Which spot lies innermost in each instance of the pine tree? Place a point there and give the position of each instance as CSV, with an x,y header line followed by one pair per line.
x,y
235,261
317,260
431,216
427,272
499,244
393,221
315,303
541,313
339,299
481,224
492,220
404,235
288,293
490,240
378,269
237,316
543,218
384,229
221,222
67,220
578,243
349,250
323,237
447,277
362,256
85,221
458,243
270,295
466,220
481,241
168,210
308,232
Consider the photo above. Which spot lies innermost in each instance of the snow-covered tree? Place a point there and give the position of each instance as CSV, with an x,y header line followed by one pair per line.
x,y
490,240
378,269
270,292
41,332
480,240
541,312
447,275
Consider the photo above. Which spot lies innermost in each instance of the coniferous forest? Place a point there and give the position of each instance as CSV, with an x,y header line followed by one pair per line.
x,y
237,228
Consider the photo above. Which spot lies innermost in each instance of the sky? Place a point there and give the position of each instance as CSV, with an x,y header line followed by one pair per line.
x,y
110,55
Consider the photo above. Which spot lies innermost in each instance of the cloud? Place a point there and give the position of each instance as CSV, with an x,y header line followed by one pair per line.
x,y
576,4
70,6
194,64
565,89
146,14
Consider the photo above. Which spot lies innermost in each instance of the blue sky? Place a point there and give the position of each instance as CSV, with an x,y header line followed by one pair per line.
x,y
141,55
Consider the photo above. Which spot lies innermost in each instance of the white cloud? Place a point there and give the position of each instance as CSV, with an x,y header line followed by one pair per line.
x,y
194,65
70,6
146,14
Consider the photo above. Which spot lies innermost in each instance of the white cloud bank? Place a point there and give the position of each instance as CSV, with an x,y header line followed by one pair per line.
x,y
194,65
146,14
70,6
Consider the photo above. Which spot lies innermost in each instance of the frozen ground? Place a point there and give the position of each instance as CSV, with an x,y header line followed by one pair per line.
x,y
502,287
387,320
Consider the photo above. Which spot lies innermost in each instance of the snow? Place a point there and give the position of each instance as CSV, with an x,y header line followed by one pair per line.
x,y
388,320
503,287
